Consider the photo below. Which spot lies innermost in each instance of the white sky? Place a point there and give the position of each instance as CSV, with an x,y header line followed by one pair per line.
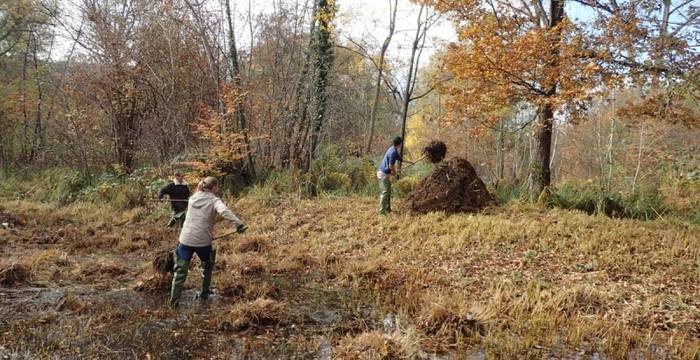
x,y
365,21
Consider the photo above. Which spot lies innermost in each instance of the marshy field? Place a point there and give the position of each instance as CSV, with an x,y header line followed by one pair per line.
x,y
322,278
542,156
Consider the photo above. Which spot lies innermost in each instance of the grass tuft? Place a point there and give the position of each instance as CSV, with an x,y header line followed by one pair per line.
x,y
261,312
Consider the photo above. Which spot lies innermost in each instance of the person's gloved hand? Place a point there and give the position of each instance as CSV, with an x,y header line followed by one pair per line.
x,y
241,228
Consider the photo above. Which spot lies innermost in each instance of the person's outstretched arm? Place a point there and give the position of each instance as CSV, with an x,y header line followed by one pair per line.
x,y
226,213
164,191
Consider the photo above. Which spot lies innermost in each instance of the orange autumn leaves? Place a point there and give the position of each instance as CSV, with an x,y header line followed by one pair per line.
x,y
500,63
222,146
507,54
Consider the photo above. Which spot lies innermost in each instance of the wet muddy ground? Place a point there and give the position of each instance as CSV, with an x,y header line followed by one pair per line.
x,y
90,291
324,280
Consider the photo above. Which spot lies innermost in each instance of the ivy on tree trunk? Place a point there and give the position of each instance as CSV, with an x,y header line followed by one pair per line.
x,y
323,51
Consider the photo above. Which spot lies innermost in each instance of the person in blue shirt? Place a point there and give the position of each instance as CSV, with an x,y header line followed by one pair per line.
x,y
385,171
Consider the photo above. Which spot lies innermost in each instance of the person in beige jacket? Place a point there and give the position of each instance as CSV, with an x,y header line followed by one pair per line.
x,y
197,235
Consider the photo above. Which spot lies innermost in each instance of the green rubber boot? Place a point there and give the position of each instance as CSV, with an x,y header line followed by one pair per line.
x,y
179,277
207,269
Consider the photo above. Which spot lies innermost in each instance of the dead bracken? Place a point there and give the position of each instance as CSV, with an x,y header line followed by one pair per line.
x,y
261,312
493,279
369,345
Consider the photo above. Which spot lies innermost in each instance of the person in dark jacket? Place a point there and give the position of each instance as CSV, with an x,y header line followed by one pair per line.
x,y
385,171
178,192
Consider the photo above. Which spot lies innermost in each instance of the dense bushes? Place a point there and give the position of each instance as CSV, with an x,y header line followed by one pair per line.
x,y
589,198
64,186
337,174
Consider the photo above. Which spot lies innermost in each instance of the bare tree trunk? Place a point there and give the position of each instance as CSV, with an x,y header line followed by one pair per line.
x,y
236,77
378,85
38,139
609,155
421,30
500,143
540,171
639,158
297,127
541,176
25,143
516,155
125,132
552,160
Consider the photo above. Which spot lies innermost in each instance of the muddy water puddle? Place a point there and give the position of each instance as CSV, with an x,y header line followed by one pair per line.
x,y
68,321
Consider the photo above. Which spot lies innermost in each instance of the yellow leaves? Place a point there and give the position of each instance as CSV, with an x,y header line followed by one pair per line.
x,y
222,146
415,126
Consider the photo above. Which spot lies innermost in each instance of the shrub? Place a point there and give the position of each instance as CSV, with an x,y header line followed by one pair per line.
x,y
335,181
508,191
645,206
405,185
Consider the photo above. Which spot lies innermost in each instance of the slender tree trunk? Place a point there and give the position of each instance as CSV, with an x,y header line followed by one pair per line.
x,y
375,104
380,71
25,143
324,61
639,158
38,126
297,127
552,160
516,156
410,81
236,77
609,157
500,143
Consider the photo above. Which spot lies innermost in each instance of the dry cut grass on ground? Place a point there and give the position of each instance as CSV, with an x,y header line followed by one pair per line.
x,y
510,282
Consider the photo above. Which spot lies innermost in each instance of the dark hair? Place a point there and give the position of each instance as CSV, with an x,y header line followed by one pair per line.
x,y
398,141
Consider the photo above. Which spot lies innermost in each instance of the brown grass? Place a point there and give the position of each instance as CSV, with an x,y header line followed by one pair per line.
x,y
519,281
261,312
251,243
518,278
369,346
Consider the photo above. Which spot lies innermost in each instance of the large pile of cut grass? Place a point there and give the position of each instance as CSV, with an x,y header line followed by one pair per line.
x,y
453,187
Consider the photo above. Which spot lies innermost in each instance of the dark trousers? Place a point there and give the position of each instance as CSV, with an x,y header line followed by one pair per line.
x,y
185,252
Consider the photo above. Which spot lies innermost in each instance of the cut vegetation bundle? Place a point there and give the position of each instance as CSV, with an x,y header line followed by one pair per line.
x,y
453,187
164,262
435,151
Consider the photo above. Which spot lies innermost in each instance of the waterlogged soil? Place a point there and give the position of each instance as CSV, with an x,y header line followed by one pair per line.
x,y
90,290
63,322
328,278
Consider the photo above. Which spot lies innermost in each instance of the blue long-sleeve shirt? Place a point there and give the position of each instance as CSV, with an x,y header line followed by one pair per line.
x,y
390,157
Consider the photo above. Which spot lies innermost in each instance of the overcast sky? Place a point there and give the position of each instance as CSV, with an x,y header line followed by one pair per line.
x,y
365,21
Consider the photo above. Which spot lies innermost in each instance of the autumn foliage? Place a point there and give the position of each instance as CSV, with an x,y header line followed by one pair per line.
x,y
222,148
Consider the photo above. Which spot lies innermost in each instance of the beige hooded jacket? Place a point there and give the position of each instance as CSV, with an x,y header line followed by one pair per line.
x,y
199,222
